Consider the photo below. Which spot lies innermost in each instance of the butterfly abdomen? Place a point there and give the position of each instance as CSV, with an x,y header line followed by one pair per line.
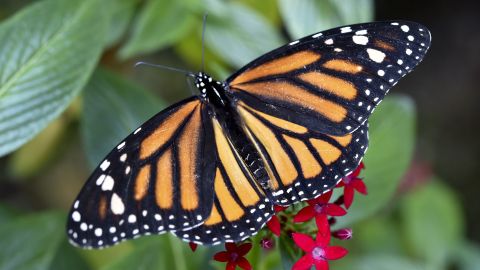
x,y
246,152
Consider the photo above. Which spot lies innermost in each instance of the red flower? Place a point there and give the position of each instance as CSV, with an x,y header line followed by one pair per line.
x,y
274,224
351,183
193,246
234,255
320,209
267,243
343,234
318,252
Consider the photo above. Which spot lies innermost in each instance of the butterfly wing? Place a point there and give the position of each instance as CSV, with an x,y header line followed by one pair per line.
x,y
160,178
332,81
241,208
302,163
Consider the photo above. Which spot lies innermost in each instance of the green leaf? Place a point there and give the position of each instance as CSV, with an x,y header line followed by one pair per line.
x,y
355,11
392,138
309,16
68,257
262,259
122,12
237,33
46,146
267,8
159,24
48,51
289,253
30,242
378,235
7,213
377,261
113,108
432,219
161,252
467,256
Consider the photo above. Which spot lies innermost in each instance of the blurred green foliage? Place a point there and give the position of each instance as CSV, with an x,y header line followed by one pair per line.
x,y
65,78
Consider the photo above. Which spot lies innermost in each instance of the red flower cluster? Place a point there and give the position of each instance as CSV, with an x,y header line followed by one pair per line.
x,y
317,252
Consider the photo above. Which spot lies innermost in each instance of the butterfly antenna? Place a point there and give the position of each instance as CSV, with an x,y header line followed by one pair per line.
x,y
186,72
203,40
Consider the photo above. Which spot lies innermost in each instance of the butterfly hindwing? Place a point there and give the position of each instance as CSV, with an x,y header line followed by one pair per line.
x,y
302,163
332,81
160,178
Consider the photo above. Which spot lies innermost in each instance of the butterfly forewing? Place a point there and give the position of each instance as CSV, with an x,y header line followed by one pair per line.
x,y
160,178
331,82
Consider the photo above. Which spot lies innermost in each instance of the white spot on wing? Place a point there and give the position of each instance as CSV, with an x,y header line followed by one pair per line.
x,y
76,216
376,55
361,32
346,29
329,41
132,218
405,28
117,205
104,165
108,183
98,232
360,40
100,180
121,145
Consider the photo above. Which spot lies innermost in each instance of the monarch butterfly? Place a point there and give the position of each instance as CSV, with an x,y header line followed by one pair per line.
x,y
284,128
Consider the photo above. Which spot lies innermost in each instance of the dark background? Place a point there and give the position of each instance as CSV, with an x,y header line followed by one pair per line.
x,y
447,93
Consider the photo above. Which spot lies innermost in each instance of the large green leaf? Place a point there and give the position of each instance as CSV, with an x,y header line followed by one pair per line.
x,y
433,223
159,24
237,33
113,107
47,53
309,16
30,242
392,138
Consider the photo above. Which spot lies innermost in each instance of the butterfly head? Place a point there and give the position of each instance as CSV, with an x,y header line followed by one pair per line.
x,y
210,89
202,82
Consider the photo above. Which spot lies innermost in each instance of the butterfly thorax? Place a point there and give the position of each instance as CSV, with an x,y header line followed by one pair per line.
x,y
214,94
